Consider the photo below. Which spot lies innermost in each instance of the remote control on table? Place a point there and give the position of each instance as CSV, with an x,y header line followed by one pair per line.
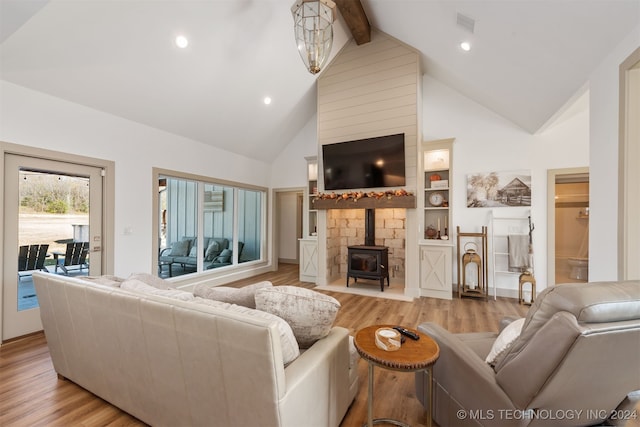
x,y
407,333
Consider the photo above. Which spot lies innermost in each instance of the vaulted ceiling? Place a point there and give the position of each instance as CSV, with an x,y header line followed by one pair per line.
x,y
529,58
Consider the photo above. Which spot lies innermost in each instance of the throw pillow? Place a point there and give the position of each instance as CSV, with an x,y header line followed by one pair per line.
x,y
244,296
508,335
141,287
212,251
289,345
180,248
309,313
193,252
225,256
151,280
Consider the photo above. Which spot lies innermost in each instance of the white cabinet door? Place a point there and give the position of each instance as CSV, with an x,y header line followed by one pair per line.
x,y
435,271
308,260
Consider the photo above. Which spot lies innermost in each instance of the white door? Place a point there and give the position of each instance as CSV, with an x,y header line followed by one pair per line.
x,y
49,206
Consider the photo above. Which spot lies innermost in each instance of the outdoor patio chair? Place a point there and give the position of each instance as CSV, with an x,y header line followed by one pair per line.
x,y
31,257
75,255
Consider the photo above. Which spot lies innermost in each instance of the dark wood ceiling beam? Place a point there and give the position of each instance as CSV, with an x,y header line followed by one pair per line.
x,y
354,15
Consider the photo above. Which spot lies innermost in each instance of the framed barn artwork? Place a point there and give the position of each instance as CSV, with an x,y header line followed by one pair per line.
x,y
499,189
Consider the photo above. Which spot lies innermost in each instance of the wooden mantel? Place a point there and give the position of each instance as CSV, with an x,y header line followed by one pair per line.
x,y
407,202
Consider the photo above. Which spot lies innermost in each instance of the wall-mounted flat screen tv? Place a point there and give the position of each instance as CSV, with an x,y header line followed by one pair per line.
x,y
364,163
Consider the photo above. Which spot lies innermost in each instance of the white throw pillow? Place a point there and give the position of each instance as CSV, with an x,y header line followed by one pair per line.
x,y
141,287
244,296
151,280
508,335
309,313
290,349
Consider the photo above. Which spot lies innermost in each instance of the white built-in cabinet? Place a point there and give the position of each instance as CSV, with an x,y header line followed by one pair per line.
x,y
309,241
436,243
308,260
435,270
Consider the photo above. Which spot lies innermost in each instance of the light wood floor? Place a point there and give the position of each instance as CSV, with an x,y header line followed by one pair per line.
x,y
32,395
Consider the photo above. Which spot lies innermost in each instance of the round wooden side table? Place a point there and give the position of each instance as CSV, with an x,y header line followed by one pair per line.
x,y
412,356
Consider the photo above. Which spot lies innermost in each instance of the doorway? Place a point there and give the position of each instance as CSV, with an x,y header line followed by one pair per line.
x,y
568,226
53,223
629,170
289,225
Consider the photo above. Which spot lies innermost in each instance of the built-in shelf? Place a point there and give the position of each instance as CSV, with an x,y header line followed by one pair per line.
x,y
309,242
437,242
436,253
437,174
310,227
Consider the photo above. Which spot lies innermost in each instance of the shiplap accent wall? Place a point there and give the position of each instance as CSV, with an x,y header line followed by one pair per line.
x,y
371,90
367,91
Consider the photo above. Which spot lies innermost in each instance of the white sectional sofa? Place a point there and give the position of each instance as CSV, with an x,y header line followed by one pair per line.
x,y
183,363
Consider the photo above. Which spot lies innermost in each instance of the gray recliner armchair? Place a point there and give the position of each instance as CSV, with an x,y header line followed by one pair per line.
x,y
575,361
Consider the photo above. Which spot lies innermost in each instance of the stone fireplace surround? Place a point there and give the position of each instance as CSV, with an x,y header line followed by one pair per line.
x,y
346,227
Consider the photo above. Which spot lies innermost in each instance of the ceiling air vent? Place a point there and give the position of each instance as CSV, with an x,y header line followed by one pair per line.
x,y
466,22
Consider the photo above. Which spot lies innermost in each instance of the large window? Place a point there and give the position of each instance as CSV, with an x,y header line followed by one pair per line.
x,y
250,208
204,225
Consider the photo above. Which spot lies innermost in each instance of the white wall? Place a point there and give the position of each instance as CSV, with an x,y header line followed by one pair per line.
x,y
289,169
34,119
484,142
604,96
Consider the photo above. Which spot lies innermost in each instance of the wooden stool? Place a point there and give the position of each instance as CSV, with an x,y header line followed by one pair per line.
x,y
526,277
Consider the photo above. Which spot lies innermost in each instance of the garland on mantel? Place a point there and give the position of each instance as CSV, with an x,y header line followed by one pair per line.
x,y
357,195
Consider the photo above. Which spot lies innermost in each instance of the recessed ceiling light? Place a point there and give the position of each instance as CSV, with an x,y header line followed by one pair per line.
x,y
182,42
266,100
466,46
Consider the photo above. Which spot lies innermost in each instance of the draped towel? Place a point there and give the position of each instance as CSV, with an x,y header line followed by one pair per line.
x,y
518,252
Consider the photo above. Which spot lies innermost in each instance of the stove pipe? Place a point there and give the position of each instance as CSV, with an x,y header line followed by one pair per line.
x,y
370,227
